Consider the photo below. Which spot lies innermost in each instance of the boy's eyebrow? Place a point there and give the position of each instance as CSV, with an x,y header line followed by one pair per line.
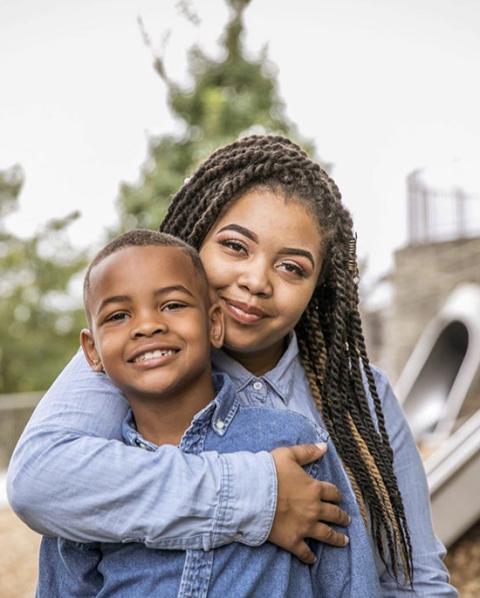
x,y
296,251
242,230
114,299
174,287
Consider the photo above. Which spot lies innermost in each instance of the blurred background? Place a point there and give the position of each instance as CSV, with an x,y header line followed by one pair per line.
x,y
106,106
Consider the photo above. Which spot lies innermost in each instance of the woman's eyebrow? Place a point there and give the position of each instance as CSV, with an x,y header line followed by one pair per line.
x,y
242,230
295,251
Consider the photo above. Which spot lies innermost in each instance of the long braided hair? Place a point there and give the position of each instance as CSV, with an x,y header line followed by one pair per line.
x,y
331,342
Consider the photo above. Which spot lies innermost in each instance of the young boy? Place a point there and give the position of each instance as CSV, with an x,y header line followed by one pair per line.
x,y
151,325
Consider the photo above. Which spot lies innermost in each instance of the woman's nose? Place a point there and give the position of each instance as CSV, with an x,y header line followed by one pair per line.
x,y
255,277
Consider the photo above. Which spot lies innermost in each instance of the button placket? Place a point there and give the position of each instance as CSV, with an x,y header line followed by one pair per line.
x,y
258,390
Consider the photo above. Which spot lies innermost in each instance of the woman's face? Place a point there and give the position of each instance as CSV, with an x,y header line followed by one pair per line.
x,y
262,258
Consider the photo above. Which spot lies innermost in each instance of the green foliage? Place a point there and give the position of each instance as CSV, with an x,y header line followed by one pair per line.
x,y
39,326
228,96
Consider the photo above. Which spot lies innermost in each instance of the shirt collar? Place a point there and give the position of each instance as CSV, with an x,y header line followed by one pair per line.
x,y
280,379
219,413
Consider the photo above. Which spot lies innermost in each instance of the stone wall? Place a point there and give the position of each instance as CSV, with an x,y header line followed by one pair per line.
x,y
422,278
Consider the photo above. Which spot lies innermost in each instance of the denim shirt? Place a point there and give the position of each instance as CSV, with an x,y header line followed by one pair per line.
x,y
74,437
132,570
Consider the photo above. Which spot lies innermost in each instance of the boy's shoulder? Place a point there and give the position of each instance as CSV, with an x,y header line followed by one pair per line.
x,y
265,428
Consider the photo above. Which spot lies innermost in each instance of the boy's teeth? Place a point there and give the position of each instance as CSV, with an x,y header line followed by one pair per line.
x,y
154,355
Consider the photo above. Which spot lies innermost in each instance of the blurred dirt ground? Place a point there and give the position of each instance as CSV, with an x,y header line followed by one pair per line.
x,y
18,557
19,553
463,562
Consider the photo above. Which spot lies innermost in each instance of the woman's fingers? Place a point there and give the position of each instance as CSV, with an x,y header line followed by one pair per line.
x,y
326,534
303,552
330,512
329,492
302,502
303,454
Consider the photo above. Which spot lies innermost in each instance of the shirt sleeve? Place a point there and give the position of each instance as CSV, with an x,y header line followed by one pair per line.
x,y
72,476
430,574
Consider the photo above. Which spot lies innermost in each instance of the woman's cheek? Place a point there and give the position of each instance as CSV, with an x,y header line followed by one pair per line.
x,y
212,265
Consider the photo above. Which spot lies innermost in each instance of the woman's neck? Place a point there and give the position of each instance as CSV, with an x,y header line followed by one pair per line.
x,y
260,362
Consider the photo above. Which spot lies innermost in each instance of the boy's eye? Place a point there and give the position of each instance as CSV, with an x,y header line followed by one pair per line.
x,y
173,306
118,316
293,268
233,244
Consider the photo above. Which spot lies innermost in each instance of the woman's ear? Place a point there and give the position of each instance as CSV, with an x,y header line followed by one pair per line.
x,y
90,351
217,325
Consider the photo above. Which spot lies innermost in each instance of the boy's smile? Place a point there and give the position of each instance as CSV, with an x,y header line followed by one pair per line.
x,y
150,323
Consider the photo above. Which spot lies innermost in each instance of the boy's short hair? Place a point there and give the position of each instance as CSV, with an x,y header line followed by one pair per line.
x,y
144,237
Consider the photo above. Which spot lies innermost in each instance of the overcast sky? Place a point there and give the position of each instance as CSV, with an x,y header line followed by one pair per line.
x,y
381,86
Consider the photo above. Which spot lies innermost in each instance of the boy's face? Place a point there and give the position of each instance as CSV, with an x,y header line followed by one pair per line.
x,y
151,324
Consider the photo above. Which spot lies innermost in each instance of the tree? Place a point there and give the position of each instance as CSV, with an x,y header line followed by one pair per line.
x,y
229,95
39,322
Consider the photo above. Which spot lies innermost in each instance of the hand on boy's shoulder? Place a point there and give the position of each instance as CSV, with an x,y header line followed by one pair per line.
x,y
304,504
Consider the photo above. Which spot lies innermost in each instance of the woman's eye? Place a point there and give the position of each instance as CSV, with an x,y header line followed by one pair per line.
x,y
293,268
234,245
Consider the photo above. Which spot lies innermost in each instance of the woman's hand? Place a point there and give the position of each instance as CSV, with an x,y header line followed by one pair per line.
x,y
304,506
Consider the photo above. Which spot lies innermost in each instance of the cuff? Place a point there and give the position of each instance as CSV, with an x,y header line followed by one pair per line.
x,y
248,498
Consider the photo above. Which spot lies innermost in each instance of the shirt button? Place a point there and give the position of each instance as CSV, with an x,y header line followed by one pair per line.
x,y
257,385
220,424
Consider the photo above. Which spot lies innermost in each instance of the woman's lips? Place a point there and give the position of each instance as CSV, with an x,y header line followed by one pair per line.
x,y
244,313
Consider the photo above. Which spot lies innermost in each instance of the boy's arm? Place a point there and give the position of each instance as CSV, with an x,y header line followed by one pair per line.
x,y
430,574
71,476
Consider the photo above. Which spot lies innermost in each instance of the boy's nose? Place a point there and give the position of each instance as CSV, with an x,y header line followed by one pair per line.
x,y
149,328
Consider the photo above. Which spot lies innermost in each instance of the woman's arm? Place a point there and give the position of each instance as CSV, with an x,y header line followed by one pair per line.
x,y
71,476
430,574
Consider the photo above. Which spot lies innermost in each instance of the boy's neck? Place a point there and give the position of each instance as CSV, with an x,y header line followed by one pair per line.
x,y
164,420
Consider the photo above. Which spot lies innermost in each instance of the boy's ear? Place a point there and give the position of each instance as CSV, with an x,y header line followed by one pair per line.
x,y
217,325
90,351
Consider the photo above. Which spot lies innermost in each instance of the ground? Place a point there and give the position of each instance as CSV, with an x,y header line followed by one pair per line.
x,y
463,562
19,550
18,557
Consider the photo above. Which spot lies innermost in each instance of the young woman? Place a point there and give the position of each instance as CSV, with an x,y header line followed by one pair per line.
x,y
279,251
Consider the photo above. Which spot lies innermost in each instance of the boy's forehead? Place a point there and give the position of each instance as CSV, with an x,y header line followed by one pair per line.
x,y
160,265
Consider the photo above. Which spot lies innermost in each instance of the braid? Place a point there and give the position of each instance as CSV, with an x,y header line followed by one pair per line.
x,y
331,342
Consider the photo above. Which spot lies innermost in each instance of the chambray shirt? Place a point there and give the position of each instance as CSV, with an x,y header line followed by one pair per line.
x,y
71,477
132,570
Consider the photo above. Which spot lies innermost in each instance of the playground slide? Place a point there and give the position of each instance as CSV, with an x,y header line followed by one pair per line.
x,y
453,473
442,367
432,389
